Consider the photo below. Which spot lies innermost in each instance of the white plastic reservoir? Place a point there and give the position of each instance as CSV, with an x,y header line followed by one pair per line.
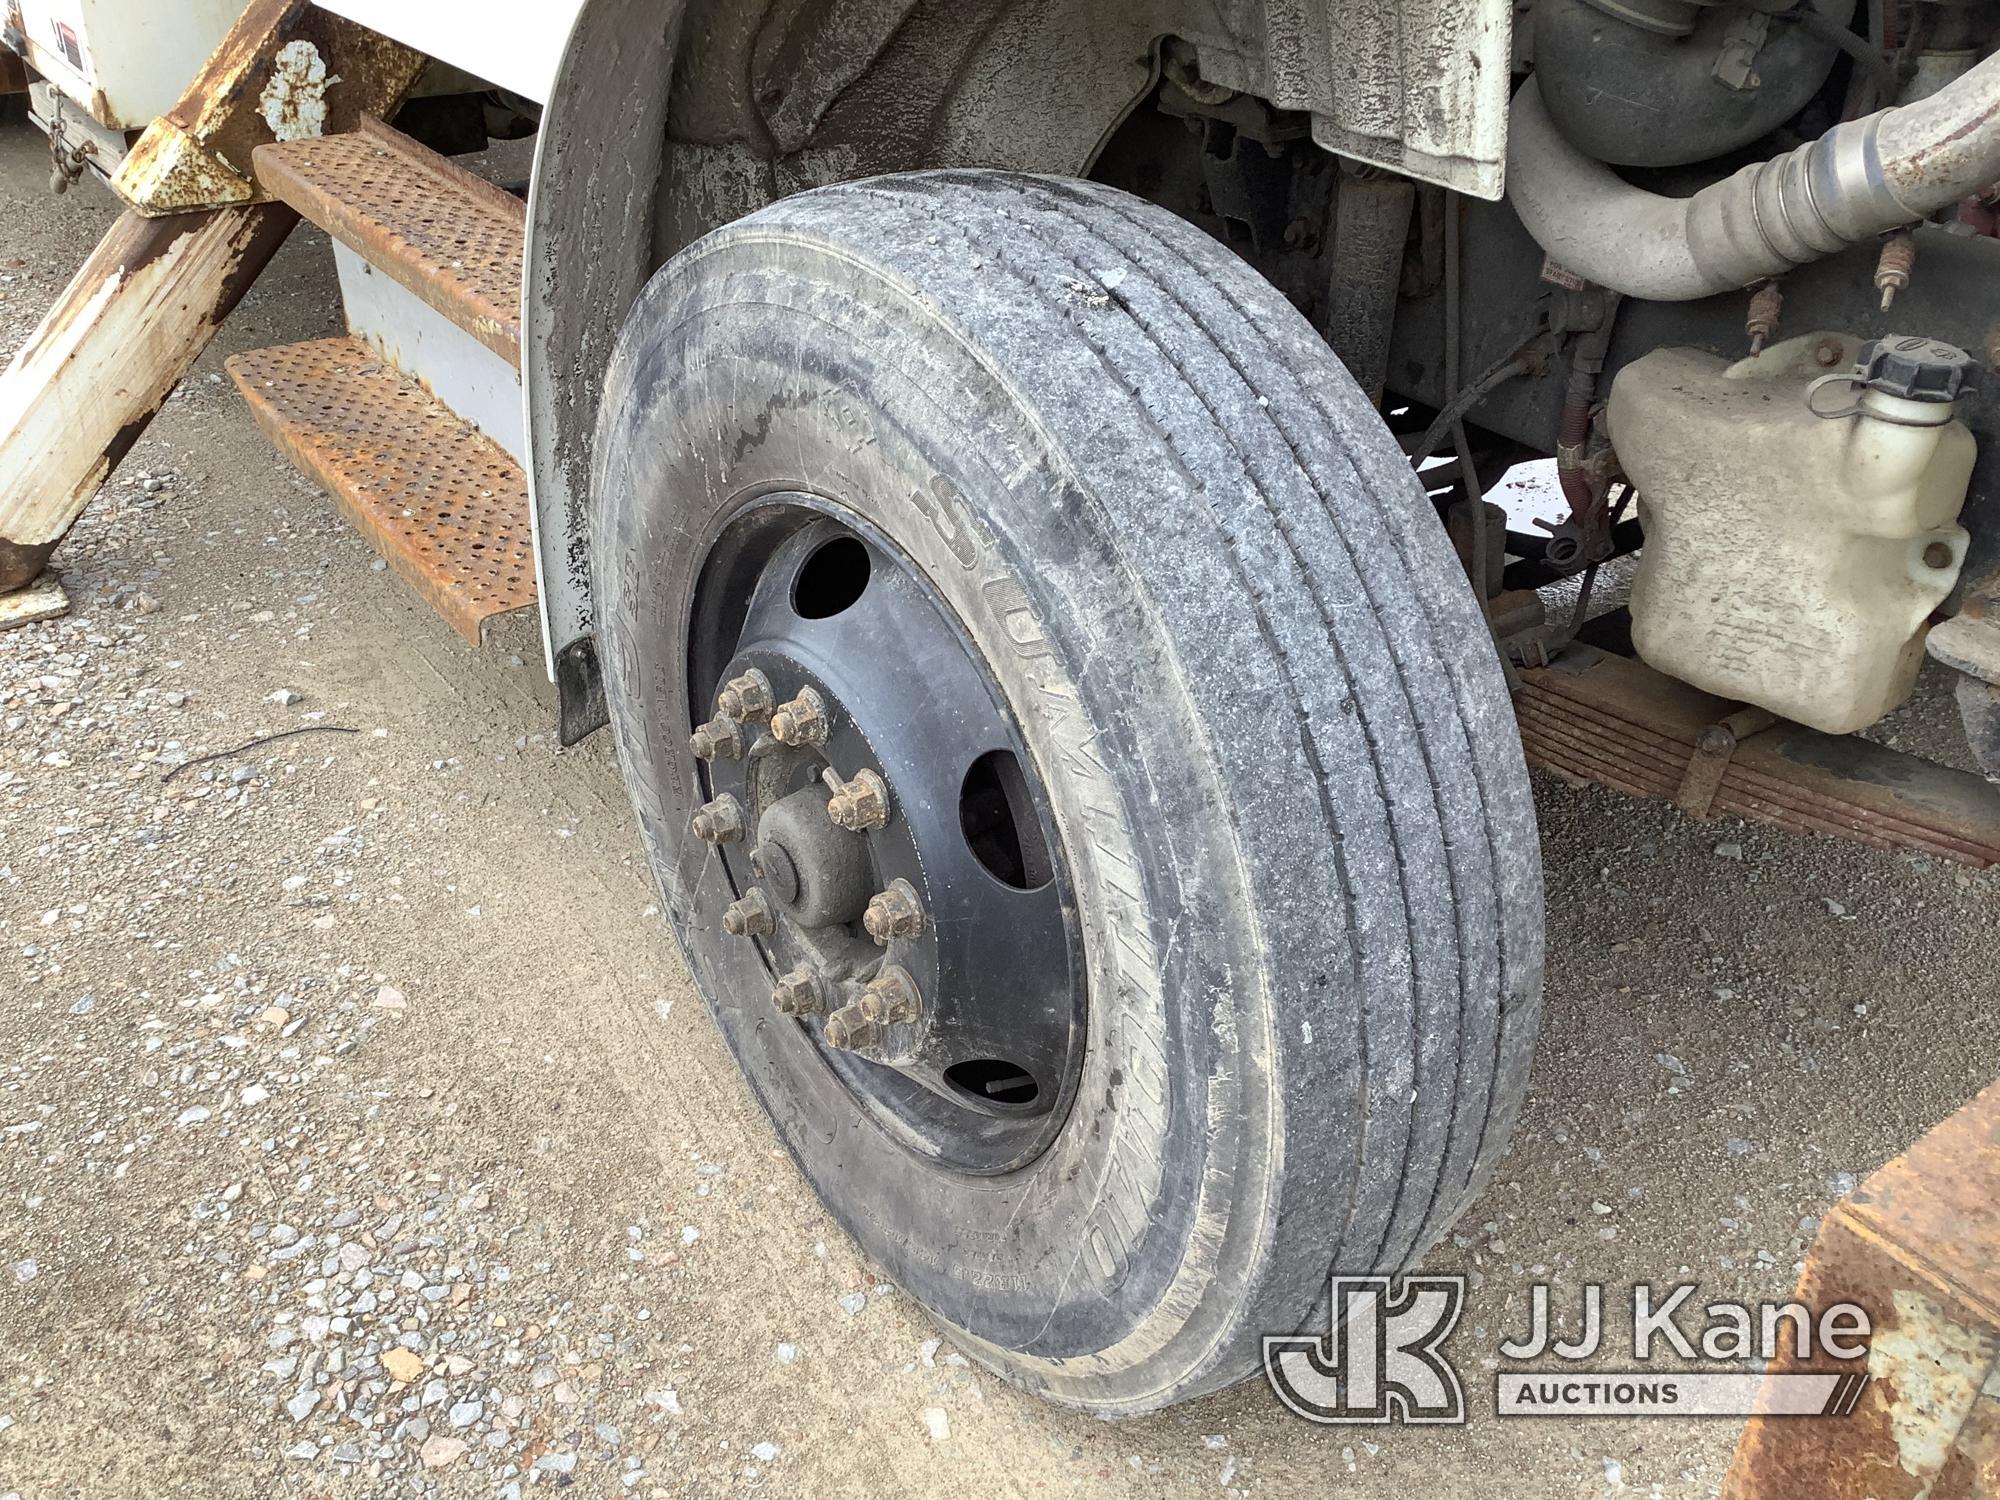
x,y
1801,525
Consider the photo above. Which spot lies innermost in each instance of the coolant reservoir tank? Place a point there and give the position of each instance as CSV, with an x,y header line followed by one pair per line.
x,y
1800,527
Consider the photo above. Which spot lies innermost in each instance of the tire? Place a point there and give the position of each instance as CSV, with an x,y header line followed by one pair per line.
x,y
1276,747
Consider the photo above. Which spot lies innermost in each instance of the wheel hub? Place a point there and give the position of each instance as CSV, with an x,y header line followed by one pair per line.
x,y
888,848
816,870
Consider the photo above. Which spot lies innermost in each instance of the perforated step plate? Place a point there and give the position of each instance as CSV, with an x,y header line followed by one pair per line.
x,y
443,503
453,239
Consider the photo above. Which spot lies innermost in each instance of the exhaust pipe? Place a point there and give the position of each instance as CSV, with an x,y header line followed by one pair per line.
x,y
1861,179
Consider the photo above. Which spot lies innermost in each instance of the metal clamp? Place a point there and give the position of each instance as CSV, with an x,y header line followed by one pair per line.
x,y
1855,409
1714,747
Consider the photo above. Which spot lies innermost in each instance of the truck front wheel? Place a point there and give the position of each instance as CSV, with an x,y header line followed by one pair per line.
x,y
1079,776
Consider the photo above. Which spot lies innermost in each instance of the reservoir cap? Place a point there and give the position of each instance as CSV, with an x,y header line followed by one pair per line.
x,y
1916,369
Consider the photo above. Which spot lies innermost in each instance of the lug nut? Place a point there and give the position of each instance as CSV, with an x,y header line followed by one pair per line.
x,y
858,804
894,913
721,821
801,721
799,993
750,917
718,739
747,697
849,1030
891,997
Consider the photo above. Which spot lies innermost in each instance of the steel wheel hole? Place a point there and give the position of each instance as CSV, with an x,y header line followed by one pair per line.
x,y
832,580
998,818
993,1080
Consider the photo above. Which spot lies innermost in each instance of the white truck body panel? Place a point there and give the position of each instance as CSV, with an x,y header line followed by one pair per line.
x,y
513,43
122,62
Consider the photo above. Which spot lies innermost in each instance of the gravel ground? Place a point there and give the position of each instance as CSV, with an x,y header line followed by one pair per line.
x,y
360,1133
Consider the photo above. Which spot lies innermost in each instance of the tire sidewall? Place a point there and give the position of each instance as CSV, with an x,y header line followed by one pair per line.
x,y
758,364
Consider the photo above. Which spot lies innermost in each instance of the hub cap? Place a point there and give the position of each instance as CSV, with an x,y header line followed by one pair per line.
x,y
885,836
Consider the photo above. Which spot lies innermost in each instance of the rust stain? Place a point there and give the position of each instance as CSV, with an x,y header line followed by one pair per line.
x,y
169,168
443,503
13,73
1928,1369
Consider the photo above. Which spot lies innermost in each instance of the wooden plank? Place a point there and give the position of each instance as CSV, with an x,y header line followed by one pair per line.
x,y
129,326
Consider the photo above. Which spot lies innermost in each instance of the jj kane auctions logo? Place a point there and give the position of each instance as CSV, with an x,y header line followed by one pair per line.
x,y
1383,1358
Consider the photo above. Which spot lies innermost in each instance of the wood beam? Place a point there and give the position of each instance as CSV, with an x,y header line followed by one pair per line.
x,y
84,387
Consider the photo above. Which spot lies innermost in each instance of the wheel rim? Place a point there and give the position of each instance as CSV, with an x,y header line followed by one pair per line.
x,y
885,836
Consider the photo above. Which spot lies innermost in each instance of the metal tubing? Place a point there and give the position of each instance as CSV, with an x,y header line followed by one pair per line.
x,y
1860,179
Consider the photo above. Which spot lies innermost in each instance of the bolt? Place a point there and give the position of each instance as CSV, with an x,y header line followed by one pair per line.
x,y
857,805
747,697
894,913
799,993
1828,351
750,917
849,1030
1767,304
719,739
801,721
1938,555
721,821
1893,267
1715,739
891,997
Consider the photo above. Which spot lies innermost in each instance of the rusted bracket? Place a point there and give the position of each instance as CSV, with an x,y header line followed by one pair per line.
x,y
1917,1246
1713,748
286,71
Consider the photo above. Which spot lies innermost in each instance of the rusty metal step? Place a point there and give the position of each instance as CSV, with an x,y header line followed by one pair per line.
x,y
442,502
452,239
